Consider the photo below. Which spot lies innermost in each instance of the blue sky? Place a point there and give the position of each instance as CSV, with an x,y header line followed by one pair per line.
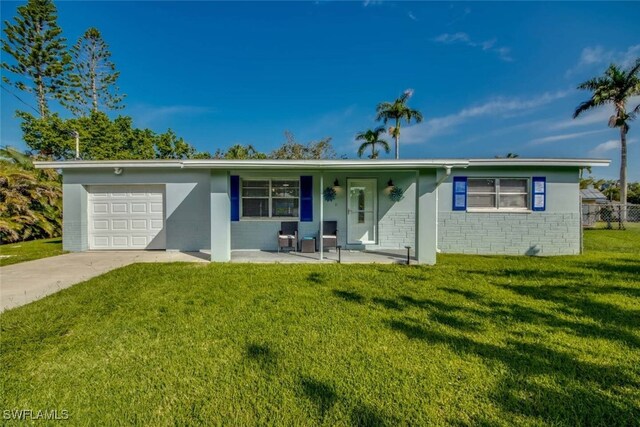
x,y
490,78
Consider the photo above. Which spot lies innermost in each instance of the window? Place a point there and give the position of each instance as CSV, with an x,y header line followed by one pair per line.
x,y
265,198
498,193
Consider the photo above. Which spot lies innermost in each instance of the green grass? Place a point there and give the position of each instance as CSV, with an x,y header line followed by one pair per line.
x,y
27,251
472,341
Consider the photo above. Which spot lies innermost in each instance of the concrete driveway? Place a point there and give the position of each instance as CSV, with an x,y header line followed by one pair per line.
x,y
29,281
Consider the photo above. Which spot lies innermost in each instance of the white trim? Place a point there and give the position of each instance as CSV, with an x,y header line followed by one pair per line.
x,y
374,210
540,162
318,164
269,197
497,193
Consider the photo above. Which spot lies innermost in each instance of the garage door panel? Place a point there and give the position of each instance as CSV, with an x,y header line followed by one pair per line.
x,y
120,242
139,240
119,208
100,207
137,207
119,224
126,217
102,224
100,242
139,224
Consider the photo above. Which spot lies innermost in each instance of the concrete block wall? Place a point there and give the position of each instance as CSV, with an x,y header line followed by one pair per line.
x,y
534,233
397,230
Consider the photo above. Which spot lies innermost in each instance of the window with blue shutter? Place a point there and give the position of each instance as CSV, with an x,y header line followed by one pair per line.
x,y
459,193
235,197
306,198
539,193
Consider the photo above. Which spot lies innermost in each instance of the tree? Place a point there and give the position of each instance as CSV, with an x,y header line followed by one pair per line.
x,y
169,146
398,111
314,150
240,152
41,62
372,138
509,155
30,199
101,139
93,79
615,87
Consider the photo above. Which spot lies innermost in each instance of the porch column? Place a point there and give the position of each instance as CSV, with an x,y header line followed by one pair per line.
x,y
220,217
426,208
320,244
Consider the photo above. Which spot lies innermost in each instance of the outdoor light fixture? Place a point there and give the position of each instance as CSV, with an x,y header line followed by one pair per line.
x,y
390,183
336,183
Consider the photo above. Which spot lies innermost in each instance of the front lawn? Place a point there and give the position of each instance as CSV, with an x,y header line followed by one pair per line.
x,y
474,340
14,253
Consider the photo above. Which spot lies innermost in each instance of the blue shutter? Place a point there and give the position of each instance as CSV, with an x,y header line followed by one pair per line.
x,y
235,198
306,198
459,193
539,193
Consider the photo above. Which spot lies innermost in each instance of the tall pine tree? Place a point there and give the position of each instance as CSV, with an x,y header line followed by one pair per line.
x,y
93,80
41,61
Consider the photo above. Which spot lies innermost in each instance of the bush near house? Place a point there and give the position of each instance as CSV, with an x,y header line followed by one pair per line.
x,y
30,199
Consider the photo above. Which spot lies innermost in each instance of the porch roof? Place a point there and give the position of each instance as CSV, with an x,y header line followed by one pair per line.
x,y
336,164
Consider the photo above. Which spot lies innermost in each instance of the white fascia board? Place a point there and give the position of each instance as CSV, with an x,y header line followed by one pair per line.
x,y
104,164
325,164
540,162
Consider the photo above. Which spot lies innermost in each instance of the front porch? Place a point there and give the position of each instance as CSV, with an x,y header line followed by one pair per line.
x,y
347,256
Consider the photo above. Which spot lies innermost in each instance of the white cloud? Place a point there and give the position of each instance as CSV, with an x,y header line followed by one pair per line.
x,y
592,56
605,147
412,16
597,116
497,107
564,137
504,53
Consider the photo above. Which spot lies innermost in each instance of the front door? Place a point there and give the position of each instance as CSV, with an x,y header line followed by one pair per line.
x,y
362,206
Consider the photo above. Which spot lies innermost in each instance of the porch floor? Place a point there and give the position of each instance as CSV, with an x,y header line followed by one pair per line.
x,y
382,256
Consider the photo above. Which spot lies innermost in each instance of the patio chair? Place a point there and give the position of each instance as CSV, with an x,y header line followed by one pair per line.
x,y
330,234
288,235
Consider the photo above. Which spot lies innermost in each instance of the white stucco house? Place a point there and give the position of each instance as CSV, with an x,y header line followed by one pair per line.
x,y
480,206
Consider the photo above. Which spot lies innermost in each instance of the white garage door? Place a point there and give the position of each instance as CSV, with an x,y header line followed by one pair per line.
x,y
126,217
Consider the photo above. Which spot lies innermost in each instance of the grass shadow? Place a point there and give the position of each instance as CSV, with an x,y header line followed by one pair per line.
x,y
317,278
321,394
262,354
349,296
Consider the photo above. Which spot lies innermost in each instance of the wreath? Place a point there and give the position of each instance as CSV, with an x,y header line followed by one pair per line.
x,y
396,194
329,194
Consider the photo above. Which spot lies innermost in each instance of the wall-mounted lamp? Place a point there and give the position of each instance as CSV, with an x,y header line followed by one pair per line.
x,y
117,171
336,183
390,183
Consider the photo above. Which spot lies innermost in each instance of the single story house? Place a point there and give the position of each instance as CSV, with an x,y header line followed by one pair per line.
x,y
480,206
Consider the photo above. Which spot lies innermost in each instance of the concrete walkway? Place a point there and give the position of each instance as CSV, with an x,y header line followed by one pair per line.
x,y
29,281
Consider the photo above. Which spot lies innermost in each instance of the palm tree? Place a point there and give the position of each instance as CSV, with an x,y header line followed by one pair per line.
x,y
615,87
398,111
372,138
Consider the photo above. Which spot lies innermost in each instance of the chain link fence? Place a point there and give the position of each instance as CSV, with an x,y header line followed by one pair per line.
x,y
609,215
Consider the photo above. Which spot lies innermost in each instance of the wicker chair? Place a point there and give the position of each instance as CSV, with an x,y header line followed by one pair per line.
x,y
329,234
288,235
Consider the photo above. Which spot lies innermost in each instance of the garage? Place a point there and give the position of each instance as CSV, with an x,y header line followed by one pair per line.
x,y
126,217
